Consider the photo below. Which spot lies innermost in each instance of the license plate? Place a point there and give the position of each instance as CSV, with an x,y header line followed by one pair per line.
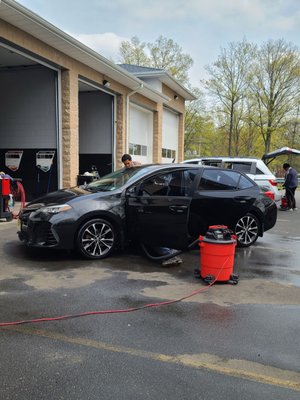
x,y
19,223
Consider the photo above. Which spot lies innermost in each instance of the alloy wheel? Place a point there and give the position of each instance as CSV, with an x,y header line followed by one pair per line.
x,y
96,239
247,230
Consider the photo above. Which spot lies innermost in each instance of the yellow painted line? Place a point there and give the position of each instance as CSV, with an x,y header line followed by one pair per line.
x,y
231,367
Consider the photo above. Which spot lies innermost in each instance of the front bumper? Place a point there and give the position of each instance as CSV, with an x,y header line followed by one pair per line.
x,y
38,235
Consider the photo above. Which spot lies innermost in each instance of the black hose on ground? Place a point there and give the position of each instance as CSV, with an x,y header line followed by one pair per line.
x,y
171,254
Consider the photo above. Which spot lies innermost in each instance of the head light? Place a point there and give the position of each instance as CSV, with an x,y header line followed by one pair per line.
x,y
34,206
55,209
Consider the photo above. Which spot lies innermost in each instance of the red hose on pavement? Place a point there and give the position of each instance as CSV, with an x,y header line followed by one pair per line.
x,y
127,310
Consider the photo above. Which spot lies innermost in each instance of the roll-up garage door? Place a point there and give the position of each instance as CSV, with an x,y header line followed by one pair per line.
x,y
140,134
96,131
170,136
29,125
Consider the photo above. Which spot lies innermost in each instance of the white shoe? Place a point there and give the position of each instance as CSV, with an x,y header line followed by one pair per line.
x,y
295,209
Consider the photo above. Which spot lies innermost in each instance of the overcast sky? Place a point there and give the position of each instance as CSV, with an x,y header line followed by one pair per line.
x,y
200,27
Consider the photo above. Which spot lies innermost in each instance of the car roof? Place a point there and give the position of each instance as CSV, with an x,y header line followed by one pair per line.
x,y
225,158
152,168
157,167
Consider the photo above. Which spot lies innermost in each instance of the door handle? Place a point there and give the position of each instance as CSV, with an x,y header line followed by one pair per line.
x,y
242,199
178,209
141,210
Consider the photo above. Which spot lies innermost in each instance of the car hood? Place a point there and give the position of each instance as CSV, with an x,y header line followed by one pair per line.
x,y
63,196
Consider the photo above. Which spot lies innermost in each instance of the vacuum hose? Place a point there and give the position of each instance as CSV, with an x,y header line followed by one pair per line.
x,y
18,192
166,256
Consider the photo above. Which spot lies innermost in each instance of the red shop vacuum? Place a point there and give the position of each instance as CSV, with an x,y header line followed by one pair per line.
x,y
5,197
217,249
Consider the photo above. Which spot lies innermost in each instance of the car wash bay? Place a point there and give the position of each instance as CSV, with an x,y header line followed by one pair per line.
x,y
30,124
228,342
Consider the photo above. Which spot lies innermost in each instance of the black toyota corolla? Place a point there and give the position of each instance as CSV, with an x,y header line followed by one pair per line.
x,y
160,205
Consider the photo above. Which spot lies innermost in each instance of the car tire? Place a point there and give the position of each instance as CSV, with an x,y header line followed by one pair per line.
x,y
96,239
247,230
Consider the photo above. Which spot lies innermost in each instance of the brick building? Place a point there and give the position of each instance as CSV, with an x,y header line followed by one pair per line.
x,y
64,107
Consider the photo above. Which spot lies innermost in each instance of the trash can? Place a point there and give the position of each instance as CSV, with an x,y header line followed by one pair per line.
x,y
217,249
4,186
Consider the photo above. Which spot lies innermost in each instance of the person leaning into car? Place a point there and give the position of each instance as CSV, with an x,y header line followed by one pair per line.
x,y
128,162
290,184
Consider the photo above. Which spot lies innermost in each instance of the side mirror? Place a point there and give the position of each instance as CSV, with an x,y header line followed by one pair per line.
x,y
132,191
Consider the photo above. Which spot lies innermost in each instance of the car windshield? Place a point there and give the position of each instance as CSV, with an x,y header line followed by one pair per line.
x,y
115,180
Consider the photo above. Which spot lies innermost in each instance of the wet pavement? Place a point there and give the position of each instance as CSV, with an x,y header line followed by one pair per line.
x,y
225,341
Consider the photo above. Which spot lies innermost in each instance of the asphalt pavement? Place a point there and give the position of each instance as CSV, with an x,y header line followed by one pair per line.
x,y
225,341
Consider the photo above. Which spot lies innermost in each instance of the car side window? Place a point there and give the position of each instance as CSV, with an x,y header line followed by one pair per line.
x,y
215,179
177,183
154,186
189,177
258,171
176,187
212,163
193,162
239,166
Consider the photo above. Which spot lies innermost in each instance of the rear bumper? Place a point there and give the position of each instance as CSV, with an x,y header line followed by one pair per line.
x,y
270,217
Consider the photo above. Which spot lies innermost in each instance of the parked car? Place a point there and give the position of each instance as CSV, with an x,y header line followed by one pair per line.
x,y
158,205
255,168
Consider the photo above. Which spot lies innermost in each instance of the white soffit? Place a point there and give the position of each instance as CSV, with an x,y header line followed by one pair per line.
x,y
168,80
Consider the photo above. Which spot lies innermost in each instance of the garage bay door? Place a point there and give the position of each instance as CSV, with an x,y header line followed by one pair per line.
x,y
29,126
140,134
170,136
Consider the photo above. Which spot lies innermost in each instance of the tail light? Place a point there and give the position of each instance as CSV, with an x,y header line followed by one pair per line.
x,y
270,194
273,183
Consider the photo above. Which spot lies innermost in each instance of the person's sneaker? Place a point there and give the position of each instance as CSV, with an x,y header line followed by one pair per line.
x,y
172,261
290,209
295,209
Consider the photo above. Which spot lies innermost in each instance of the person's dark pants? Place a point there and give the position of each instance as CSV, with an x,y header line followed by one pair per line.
x,y
290,197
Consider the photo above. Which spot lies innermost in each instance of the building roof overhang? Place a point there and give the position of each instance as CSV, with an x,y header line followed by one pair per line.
x,y
168,80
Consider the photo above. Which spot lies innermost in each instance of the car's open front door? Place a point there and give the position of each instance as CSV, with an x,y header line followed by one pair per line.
x,y
158,211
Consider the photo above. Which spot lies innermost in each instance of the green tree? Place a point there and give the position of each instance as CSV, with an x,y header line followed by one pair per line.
x,y
228,84
168,55
134,52
163,53
250,140
199,127
275,87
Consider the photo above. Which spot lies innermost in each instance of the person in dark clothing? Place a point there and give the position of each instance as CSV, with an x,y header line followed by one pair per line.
x,y
290,184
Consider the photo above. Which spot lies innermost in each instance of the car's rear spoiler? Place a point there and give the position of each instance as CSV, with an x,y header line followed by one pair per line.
x,y
279,152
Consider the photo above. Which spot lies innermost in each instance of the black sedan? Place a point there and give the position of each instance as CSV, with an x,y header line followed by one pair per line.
x,y
158,205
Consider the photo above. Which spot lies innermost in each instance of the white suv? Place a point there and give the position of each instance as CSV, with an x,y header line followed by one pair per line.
x,y
255,168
